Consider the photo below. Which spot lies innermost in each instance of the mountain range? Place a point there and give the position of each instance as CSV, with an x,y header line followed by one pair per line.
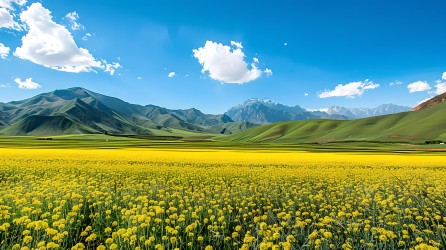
x,y
425,125
78,110
264,111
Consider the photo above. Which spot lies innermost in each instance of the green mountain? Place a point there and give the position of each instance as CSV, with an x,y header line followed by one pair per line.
x,y
417,126
47,125
78,110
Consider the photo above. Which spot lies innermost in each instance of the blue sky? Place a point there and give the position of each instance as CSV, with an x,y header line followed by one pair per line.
x,y
309,53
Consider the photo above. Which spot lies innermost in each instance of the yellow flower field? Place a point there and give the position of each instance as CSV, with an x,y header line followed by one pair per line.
x,y
220,199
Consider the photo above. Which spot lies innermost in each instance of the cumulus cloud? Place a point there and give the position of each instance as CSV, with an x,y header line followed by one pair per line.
x,y
441,87
226,64
72,17
350,90
4,51
7,20
27,84
418,86
444,76
268,72
171,74
51,45
8,4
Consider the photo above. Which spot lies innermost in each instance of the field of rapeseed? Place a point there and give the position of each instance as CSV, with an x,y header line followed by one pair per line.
x,y
172,199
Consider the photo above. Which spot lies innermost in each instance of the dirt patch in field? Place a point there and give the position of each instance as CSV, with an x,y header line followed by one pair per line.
x,y
402,136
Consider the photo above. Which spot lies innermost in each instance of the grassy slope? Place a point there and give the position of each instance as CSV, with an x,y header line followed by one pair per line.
x,y
232,127
409,126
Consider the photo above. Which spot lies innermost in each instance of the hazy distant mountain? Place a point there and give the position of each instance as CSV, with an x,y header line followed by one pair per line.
x,y
431,102
356,113
263,111
336,110
78,110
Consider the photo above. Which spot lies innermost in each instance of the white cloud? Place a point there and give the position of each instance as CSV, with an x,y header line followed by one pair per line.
x,y
111,67
226,64
27,84
4,85
8,3
395,83
4,51
418,86
7,20
268,72
441,87
306,94
139,78
51,45
255,60
86,36
72,18
350,90
320,109
443,76
171,74
237,44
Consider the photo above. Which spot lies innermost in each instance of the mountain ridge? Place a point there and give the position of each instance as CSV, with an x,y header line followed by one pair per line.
x,y
414,127
80,110
265,111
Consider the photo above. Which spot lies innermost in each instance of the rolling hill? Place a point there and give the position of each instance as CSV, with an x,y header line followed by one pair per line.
x,y
418,126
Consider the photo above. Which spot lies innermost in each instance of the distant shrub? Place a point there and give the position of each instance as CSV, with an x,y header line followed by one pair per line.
x,y
433,142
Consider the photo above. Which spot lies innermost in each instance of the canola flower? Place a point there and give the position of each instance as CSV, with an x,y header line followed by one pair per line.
x,y
220,199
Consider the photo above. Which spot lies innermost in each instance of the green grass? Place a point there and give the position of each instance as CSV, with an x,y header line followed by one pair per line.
x,y
90,141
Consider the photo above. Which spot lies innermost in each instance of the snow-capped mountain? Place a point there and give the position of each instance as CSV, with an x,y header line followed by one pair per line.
x,y
356,113
262,111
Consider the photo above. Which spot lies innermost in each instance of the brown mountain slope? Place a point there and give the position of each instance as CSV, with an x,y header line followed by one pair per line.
x,y
431,102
